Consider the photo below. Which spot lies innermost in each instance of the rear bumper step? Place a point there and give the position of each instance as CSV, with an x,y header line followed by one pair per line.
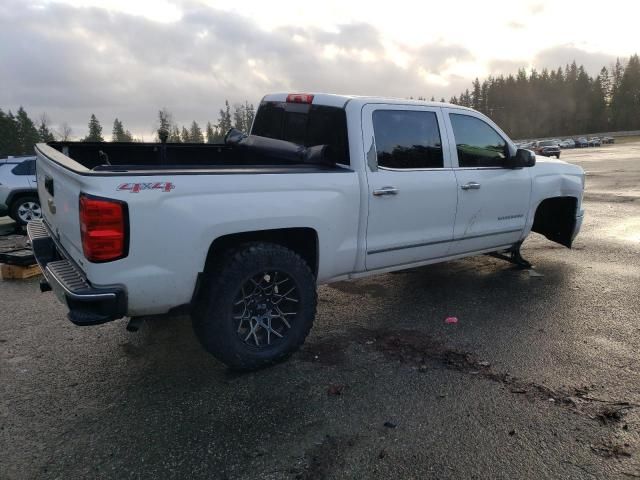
x,y
88,305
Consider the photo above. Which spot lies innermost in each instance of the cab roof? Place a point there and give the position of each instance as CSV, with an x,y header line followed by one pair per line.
x,y
335,100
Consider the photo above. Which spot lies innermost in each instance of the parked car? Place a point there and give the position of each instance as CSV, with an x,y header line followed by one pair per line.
x,y
569,143
547,148
18,194
607,140
368,187
581,142
594,142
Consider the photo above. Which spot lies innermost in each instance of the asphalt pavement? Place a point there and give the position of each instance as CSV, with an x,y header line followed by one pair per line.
x,y
538,378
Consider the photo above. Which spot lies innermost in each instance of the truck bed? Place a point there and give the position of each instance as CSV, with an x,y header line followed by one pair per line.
x,y
260,155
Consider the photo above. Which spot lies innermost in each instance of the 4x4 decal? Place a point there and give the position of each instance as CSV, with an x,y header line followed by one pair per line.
x,y
137,187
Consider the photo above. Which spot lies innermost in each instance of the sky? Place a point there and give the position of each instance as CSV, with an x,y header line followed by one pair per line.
x,y
128,59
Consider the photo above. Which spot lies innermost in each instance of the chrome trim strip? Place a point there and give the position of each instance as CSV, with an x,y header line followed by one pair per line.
x,y
417,245
434,169
482,168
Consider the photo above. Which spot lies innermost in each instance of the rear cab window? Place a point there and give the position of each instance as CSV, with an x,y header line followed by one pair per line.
x,y
305,124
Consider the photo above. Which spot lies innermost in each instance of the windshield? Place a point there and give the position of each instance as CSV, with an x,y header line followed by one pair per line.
x,y
547,143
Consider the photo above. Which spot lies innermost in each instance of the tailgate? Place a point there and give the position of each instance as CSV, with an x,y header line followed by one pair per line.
x,y
59,190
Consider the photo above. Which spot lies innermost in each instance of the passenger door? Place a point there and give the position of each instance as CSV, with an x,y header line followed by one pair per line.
x,y
411,185
493,201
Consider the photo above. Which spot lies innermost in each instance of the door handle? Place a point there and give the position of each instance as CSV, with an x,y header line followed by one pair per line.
x,y
470,186
385,191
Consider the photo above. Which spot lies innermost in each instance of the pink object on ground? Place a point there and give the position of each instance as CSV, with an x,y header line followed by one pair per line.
x,y
450,320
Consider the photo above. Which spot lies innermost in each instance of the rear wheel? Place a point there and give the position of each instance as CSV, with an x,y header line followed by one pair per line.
x,y
257,308
25,209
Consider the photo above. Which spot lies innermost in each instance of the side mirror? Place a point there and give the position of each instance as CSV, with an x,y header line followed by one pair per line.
x,y
522,158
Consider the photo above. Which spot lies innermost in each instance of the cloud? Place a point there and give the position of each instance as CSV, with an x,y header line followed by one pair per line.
x,y
71,62
559,56
515,25
536,8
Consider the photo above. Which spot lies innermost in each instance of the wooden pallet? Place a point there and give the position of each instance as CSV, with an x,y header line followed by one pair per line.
x,y
17,272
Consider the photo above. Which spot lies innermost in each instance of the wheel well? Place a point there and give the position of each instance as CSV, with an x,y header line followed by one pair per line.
x,y
17,194
303,241
555,218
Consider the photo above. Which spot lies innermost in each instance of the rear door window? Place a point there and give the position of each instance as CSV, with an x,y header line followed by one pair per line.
x,y
407,139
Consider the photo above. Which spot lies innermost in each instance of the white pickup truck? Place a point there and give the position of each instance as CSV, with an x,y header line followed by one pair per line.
x,y
325,188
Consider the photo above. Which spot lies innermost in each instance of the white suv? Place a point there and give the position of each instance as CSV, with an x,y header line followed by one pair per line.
x,y
18,194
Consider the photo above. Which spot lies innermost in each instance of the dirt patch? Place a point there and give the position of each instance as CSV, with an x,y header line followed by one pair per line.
x,y
359,288
422,351
612,450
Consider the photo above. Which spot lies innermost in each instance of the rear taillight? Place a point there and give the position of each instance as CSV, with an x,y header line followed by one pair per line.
x,y
299,98
104,225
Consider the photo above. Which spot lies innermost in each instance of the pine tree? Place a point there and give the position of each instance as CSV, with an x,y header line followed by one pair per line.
x,y
8,134
224,122
165,120
95,130
27,133
185,136
605,81
195,133
476,99
616,76
249,115
239,117
625,104
597,107
119,134
44,132
210,134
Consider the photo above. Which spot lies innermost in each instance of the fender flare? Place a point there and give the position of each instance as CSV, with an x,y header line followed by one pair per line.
x,y
19,192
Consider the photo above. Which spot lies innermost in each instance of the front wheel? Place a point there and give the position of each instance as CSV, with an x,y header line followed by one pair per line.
x,y
257,308
25,209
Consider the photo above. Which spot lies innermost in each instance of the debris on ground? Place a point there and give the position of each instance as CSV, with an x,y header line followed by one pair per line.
x,y
335,389
451,320
390,425
484,363
613,412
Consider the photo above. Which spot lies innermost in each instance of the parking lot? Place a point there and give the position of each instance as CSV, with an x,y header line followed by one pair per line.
x,y
538,379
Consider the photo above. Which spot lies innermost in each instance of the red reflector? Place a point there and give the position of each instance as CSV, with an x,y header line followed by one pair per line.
x,y
299,98
103,228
